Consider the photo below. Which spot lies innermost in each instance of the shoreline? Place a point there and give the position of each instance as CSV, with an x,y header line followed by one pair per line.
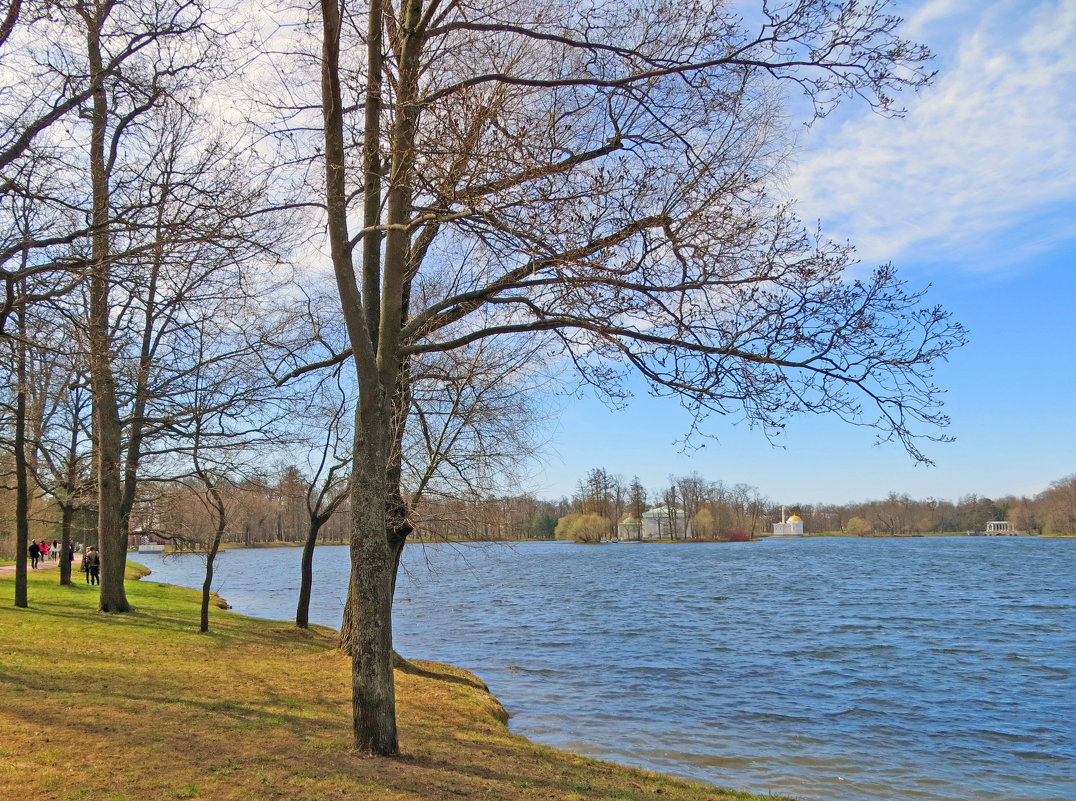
x,y
140,707
413,541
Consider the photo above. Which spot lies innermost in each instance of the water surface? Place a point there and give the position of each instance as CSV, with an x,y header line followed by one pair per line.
x,y
838,669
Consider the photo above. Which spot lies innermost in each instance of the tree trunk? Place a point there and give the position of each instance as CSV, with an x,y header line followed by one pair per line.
x,y
111,535
22,493
67,508
203,625
67,513
302,610
346,643
372,681
347,639
210,558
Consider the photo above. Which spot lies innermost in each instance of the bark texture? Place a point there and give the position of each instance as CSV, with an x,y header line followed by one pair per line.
x,y
111,529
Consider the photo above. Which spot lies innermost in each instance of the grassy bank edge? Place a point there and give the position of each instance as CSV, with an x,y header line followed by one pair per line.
x,y
141,706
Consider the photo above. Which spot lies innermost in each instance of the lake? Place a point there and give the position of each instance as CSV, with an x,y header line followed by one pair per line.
x,y
836,669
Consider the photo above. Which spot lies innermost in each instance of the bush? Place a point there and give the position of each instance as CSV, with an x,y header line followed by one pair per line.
x,y
564,527
583,528
702,525
737,535
858,527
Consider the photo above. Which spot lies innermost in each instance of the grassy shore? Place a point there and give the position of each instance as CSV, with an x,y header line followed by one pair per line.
x,y
141,707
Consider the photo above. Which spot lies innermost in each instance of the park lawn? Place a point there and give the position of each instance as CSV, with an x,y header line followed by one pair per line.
x,y
141,707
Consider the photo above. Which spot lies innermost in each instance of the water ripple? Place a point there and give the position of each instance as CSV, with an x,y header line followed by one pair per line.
x,y
845,670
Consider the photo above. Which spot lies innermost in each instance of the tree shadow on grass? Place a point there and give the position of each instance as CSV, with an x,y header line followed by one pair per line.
x,y
430,671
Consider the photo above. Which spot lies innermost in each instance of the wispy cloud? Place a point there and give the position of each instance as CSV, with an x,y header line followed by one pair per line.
x,y
984,161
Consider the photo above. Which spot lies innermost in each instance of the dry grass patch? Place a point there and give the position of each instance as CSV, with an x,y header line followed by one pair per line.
x,y
141,707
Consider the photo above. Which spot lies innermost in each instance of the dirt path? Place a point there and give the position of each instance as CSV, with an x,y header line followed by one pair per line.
x,y
45,565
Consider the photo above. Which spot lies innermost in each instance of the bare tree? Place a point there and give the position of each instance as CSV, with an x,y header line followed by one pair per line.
x,y
478,415
230,417
675,520
595,493
131,70
37,376
23,460
636,504
28,366
143,193
71,482
104,65
693,491
60,423
598,180
198,232
327,487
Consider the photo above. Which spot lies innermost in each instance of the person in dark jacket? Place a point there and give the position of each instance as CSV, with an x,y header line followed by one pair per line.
x,y
93,574
35,552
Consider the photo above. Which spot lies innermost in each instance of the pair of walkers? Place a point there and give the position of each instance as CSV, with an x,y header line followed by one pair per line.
x,y
38,551
91,565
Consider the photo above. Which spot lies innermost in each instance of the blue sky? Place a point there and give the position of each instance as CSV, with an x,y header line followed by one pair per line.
x,y
972,192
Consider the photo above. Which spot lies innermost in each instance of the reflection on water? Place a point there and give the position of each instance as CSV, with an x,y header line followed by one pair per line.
x,y
838,669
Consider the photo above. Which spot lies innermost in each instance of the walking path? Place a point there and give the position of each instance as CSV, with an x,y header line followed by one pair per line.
x,y
42,565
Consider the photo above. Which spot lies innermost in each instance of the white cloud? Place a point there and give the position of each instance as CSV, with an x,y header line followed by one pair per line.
x,y
930,13
988,154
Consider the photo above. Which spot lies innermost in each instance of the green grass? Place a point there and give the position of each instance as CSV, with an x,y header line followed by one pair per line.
x,y
141,707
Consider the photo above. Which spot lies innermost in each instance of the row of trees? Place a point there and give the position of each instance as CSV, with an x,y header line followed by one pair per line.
x,y
695,507
272,508
499,190
716,510
1051,512
604,502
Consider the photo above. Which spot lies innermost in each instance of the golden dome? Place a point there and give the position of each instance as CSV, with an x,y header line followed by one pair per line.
x,y
795,519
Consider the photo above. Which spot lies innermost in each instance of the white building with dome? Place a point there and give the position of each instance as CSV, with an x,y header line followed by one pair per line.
x,y
792,527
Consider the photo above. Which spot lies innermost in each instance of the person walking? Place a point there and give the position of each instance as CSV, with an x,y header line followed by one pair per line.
x,y
35,552
94,575
86,554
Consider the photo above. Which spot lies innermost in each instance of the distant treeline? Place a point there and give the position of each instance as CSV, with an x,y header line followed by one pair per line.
x,y
1052,512
273,509
716,510
711,509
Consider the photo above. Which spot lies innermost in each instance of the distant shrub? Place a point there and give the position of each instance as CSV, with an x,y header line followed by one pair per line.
x,y
702,525
583,528
858,527
737,535
591,528
564,527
